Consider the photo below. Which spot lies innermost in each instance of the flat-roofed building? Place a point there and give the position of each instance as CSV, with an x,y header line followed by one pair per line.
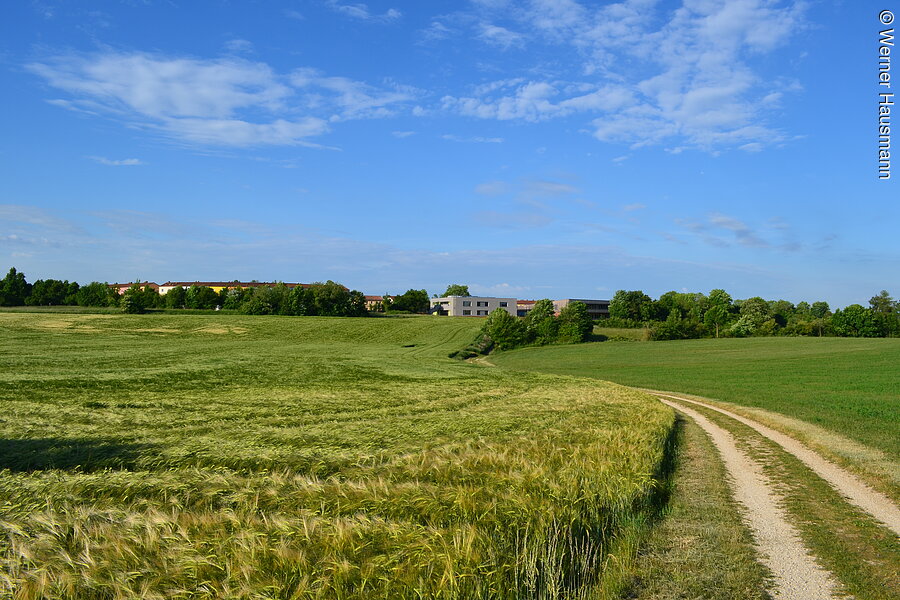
x,y
471,306
597,309
523,307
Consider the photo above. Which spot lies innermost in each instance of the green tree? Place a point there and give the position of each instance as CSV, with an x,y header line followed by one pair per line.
x,y
14,289
781,311
175,298
883,303
718,297
856,321
504,330
755,312
632,305
716,316
414,301
72,294
820,310
234,298
96,294
541,325
456,289
200,297
356,304
331,299
133,300
48,292
673,328
575,324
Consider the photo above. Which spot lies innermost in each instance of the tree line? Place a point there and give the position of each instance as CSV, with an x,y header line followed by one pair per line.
x,y
677,315
325,299
328,299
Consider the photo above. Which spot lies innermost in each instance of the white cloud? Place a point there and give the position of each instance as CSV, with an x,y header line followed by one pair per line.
x,y
474,139
690,79
353,99
239,46
229,101
125,162
539,187
402,134
510,220
362,12
492,188
734,230
500,36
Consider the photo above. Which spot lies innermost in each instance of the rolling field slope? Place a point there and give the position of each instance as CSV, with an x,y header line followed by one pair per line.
x,y
208,456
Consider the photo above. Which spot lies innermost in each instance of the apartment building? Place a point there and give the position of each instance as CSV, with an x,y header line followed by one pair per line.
x,y
471,306
597,309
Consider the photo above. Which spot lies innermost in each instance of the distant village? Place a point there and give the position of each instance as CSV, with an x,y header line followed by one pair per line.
x,y
452,305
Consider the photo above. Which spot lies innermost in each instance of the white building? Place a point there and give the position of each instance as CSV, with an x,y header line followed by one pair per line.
x,y
471,306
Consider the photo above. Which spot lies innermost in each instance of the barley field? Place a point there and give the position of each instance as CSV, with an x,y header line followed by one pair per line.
x,y
223,456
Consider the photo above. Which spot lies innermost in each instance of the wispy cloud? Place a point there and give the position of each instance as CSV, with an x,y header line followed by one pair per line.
x,y
690,83
510,220
361,11
124,162
477,139
723,231
224,102
239,46
492,188
500,36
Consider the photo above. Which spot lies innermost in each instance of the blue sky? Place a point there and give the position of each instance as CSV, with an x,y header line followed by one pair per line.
x,y
530,149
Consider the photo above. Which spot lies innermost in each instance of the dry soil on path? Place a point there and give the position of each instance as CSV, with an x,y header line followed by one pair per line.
x,y
796,574
848,485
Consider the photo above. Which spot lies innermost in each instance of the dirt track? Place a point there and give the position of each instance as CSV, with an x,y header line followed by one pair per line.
x,y
851,487
797,576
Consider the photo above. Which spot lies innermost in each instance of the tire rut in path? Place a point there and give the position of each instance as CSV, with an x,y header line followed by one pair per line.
x,y
848,485
797,576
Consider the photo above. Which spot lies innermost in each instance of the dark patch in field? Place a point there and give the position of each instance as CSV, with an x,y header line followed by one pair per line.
x,y
82,454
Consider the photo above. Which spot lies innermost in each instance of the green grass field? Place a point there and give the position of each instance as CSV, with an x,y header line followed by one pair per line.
x,y
214,456
849,386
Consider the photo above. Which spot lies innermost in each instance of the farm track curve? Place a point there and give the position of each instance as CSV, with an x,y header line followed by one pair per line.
x,y
796,574
853,489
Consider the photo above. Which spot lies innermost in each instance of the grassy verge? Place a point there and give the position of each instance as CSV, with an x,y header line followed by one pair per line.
x,y
700,549
202,456
863,555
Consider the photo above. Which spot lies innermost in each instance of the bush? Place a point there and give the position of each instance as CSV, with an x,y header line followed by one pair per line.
x,y
504,330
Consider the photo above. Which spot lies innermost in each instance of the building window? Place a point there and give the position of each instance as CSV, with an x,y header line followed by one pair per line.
x,y
482,313
467,303
482,303
504,304
467,313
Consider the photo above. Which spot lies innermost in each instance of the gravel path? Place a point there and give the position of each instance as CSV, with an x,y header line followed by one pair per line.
x,y
851,487
797,576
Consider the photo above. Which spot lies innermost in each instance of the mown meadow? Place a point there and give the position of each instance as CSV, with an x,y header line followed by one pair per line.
x,y
847,385
224,456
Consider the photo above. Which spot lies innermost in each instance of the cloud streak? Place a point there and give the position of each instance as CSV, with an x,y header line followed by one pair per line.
x,y
218,102
689,83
